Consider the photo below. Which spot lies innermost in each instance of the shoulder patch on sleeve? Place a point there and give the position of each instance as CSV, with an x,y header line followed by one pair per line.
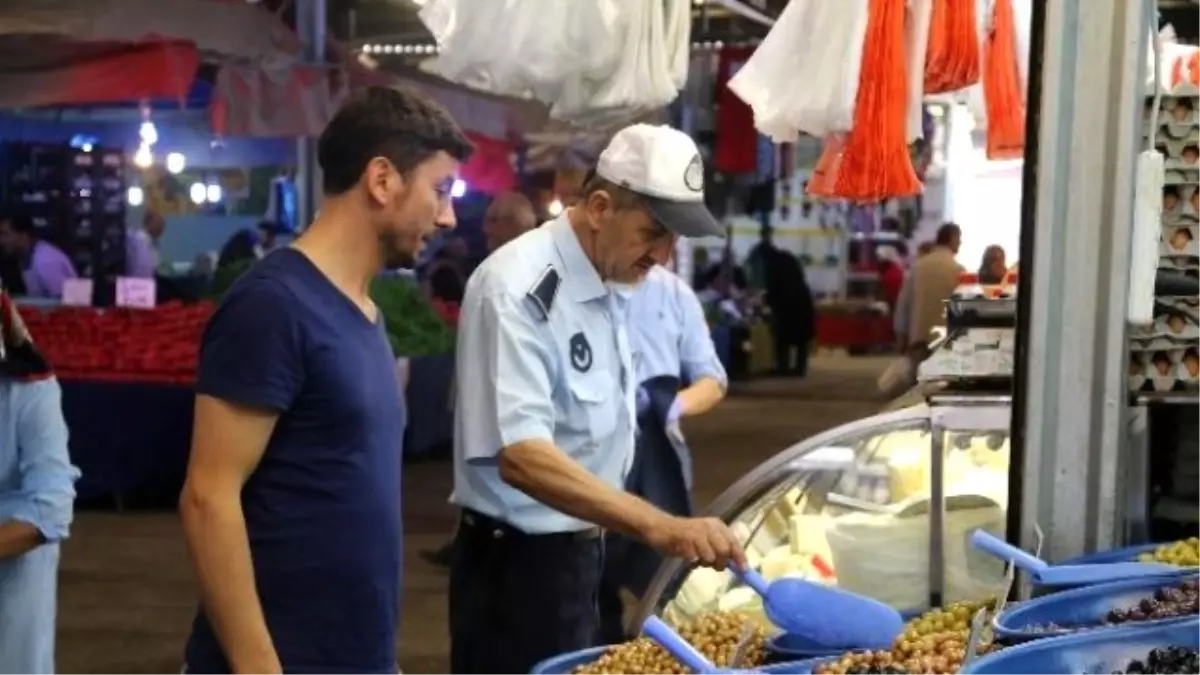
x,y
543,292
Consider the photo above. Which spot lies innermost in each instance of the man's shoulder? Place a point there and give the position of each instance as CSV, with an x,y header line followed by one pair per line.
x,y
517,267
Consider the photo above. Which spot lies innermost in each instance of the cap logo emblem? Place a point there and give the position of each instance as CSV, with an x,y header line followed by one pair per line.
x,y
693,176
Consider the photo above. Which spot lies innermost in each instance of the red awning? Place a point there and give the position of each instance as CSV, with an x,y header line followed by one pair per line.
x,y
64,73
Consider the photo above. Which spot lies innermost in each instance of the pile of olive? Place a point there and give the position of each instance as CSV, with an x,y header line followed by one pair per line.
x,y
1184,553
1169,601
953,617
1166,660
934,655
715,635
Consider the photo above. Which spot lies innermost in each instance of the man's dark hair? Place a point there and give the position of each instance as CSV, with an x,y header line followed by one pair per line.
x,y
947,234
401,125
22,224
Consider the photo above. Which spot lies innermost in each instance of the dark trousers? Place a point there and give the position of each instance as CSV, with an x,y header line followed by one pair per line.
x,y
516,599
790,339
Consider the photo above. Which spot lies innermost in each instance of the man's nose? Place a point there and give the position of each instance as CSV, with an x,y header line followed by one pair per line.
x,y
446,219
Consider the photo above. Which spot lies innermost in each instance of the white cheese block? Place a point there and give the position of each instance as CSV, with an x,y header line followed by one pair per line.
x,y
791,503
701,590
781,562
743,599
807,536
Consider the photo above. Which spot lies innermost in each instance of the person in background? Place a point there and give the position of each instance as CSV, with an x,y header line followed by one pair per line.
x,y
268,237
679,376
141,246
509,216
793,313
291,506
240,246
446,275
44,266
891,275
934,278
902,312
37,495
993,267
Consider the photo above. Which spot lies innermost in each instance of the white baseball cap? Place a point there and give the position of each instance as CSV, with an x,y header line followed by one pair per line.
x,y
662,165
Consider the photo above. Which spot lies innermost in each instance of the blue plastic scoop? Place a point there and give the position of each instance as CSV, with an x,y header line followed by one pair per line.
x,y
824,615
656,629
1068,575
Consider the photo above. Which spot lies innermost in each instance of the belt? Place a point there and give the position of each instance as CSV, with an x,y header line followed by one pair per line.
x,y
477,522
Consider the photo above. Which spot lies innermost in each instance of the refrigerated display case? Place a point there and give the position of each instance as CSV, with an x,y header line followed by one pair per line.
x,y
883,506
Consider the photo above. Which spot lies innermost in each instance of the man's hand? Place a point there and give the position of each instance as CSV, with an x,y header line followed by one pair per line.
x,y
708,541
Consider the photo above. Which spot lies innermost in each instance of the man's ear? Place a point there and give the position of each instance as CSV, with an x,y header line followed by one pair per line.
x,y
599,206
380,179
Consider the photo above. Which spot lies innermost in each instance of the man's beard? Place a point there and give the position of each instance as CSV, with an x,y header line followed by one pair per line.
x,y
395,255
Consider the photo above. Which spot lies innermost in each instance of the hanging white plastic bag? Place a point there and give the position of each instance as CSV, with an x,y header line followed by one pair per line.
x,y
651,35
796,83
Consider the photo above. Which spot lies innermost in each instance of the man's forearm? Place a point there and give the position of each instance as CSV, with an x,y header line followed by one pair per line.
x,y
18,537
701,396
542,471
216,536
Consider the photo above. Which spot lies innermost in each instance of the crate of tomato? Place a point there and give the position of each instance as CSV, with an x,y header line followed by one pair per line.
x,y
121,345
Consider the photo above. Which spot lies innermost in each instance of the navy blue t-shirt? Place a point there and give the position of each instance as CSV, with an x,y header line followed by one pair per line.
x,y
323,507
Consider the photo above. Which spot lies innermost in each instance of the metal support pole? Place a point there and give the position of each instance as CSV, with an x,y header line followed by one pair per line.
x,y
310,25
1074,396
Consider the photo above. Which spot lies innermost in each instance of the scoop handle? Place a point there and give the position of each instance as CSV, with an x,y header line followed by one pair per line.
x,y
986,541
753,580
656,629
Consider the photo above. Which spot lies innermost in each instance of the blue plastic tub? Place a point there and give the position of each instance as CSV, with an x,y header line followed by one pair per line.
x,y
565,663
1088,653
788,647
1127,554
1085,606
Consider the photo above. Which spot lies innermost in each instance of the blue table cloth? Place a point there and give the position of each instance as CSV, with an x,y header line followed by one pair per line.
x,y
129,438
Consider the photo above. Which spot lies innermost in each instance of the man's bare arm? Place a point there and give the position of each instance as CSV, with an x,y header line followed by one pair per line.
x,y
541,470
228,442
18,538
701,396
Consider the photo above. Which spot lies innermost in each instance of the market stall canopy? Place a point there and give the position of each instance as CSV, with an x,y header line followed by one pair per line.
x,y
223,28
45,71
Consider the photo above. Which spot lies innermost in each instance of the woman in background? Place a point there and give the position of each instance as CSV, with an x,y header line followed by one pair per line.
x,y
993,267
37,494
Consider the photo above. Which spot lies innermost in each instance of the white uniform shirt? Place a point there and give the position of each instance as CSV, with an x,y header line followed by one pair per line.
x,y
669,333
543,353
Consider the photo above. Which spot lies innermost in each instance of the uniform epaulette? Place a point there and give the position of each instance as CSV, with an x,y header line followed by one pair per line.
x,y
543,292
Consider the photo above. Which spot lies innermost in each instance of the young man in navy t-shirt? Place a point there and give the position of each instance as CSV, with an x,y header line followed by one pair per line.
x,y
292,501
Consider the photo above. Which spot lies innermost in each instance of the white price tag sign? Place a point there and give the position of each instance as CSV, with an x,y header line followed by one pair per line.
x,y
135,292
77,292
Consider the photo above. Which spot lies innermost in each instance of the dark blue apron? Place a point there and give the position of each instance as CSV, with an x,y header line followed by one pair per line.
x,y
662,475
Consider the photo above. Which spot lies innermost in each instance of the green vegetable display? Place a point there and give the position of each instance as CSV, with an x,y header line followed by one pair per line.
x,y
413,327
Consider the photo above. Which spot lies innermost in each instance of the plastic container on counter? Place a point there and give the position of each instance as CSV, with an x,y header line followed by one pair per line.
x,y
1091,652
1081,610
566,663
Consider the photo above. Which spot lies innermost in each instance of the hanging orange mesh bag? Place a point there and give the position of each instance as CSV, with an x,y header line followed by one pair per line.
x,y
1002,87
952,56
873,162
825,172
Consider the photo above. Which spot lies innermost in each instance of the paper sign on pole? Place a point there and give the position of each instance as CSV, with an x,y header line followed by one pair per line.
x,y
135,292
77,292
